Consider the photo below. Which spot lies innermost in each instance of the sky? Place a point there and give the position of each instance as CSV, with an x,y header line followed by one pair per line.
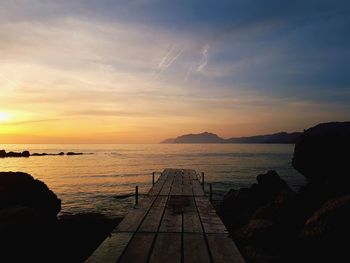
x,y
140,71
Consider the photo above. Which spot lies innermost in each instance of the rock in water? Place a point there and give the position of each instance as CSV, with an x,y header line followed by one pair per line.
x,y
21,189
322,152
73,153
2,154
25,154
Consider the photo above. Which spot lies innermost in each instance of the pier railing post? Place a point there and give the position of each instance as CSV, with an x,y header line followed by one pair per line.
x,y
211,193
136,195
203,180
153,178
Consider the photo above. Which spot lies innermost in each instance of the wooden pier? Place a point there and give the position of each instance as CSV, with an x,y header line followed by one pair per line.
x,y
174,222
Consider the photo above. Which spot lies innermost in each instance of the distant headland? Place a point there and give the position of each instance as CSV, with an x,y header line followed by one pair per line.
x,y
207,137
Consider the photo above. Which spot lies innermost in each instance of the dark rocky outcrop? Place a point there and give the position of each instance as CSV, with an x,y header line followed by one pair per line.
x,y
79,235
322,152
260,217
30,230
271,223
21,189
326,233
239,206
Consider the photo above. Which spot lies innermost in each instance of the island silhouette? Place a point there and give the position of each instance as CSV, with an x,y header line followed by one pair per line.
x,y
208,137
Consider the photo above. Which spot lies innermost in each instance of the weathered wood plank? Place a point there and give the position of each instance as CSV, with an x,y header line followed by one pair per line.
x,y
197,188
111,249
195,249
152,219
191,221
172,220
167,248
132,221
157,187
211,222
167,226
223,249
169,181
176,188
138,248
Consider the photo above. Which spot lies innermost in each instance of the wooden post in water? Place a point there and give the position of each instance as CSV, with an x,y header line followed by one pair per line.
x,y
211,193
136,195
153,178
203,180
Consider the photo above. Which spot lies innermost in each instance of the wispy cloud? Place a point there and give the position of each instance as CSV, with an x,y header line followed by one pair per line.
x,y
204,58
172,54
26,122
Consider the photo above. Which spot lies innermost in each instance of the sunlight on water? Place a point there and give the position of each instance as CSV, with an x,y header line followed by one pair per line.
x,y
89,183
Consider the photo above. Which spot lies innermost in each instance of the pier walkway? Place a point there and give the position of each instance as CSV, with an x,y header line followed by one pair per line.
x,y
174,222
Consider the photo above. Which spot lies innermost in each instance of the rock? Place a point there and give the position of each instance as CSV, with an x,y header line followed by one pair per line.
x,y
14,154
73,153
82,233
2,153
21,189
282,211
61,153
326,233
322,152
239,206
256,231
26,154
24,235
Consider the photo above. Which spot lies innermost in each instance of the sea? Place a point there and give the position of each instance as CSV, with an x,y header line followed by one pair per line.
x,y
103,180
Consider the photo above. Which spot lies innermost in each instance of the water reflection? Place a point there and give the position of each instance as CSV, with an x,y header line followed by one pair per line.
x,y
90,182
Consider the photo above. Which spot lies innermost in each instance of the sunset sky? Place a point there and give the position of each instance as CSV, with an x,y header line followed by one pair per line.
x,y
140,71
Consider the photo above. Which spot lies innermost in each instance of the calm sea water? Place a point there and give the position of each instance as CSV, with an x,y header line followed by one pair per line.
x,y
90,183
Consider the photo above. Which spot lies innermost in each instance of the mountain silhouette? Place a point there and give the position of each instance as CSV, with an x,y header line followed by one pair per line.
x,y
207,137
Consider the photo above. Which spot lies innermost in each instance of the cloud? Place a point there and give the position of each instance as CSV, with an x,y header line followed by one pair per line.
x,y
167,60
204,60
150,63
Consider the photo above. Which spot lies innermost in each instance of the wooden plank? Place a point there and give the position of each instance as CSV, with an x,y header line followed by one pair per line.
x,y
138,248
195,249
187,190
157,187
192,174
111,249
211,222
172,219
169,181
223,249
197,188
176,188
191,221
132,221
167,248
177,207
152,219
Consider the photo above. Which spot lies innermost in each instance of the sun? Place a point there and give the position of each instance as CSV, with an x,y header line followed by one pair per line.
x,y
4,116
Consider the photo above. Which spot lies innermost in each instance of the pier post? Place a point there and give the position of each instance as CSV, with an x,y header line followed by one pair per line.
x,y
211,192
136,195
153,178
203,180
